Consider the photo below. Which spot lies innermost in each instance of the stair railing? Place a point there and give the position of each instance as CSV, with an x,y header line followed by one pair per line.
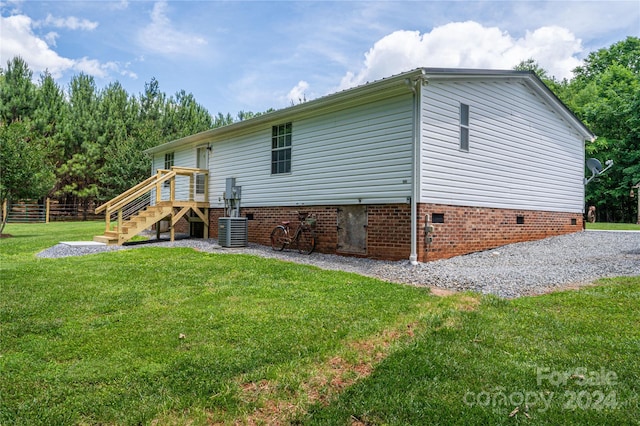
x,y
117,205
134,207
132,201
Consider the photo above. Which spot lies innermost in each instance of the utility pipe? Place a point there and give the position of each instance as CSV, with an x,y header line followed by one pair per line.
x,y
416,87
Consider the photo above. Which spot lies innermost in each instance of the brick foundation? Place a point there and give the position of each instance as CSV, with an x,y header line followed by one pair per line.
x,y
182,226
465,229
470,229
263,219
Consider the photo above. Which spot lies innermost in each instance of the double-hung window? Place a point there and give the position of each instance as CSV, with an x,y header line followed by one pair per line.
x,y
168,160
464,127
281,149
168,164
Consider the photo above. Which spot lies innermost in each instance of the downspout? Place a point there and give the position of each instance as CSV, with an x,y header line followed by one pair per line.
x,y
416,87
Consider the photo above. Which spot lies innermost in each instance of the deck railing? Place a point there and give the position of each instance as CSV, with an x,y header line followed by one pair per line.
x,y
150,191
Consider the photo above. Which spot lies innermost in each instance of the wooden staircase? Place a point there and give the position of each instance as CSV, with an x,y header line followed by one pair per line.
x,y
137,223
133,216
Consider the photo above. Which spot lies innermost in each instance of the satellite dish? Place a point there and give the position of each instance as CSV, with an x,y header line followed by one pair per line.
x,y
595,166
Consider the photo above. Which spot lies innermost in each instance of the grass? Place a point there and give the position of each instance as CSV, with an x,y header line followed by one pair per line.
x,y
175,336
565,358
605,226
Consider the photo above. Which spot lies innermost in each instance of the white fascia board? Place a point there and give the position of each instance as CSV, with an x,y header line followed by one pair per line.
x,y
539,87
343,99
377,89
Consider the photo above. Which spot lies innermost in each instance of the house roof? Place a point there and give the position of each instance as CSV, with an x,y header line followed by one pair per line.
x,y
376,88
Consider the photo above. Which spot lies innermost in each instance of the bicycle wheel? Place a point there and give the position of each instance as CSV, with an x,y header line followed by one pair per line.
x,y
306,241
278,238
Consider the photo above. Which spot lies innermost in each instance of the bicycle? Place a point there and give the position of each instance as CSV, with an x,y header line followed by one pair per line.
x,y
303,236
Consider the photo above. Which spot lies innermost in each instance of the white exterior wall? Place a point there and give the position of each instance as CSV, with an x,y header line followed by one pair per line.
x,y
522,155
183,157
357,155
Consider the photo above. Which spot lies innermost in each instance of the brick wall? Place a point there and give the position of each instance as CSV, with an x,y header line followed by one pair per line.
x,y
389,231
262,220
182,226
470,229
465,229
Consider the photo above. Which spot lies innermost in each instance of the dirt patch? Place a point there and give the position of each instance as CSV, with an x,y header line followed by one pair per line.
x,y
262,386
463,302
467,303
273,413
566,287
326,380
437,291
6,236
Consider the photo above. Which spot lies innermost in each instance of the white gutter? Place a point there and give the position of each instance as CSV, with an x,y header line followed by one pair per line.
x,y
415,85
354,95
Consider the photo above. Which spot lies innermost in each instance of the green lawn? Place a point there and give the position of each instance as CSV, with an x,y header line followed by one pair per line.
x,y
159,336
604,226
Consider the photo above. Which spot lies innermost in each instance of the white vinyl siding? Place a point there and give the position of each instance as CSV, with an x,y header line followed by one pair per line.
x,y
358,155
184,157
522,155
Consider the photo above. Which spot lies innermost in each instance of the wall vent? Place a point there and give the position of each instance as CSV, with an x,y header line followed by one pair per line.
x,y
437,218
232,231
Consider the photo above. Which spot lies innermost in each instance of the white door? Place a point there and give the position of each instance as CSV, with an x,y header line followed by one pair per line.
x,y
201,163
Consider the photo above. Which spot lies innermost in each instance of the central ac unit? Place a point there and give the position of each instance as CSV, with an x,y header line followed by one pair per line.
x,y
232,231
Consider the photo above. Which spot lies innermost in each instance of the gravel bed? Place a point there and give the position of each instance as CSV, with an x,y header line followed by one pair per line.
x,y
510,271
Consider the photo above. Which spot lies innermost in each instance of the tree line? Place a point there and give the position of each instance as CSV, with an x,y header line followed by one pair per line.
x,y
84,145
605,94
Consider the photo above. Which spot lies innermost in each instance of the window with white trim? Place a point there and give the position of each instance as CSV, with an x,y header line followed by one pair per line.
x,y
281,149
201,163
464,127
168,164
168,160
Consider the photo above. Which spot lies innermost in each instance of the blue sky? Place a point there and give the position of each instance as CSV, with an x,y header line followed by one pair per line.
x,y
254,55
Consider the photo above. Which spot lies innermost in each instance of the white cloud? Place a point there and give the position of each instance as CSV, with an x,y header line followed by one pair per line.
x,y
555,49
467,45
102,69
591,19
18,39
119,5
94,67
70,22
247,90
160,36
51,38
298,93
91,67
13,5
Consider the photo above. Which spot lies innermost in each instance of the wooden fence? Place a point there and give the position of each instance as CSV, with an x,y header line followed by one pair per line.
x,y
32,211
